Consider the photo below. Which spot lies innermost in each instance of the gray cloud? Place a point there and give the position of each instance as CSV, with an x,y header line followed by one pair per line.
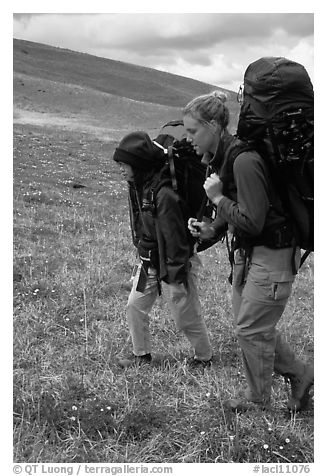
x,y
203,30
212,47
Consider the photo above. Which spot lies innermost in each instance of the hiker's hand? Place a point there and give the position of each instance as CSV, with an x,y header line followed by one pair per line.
x,y
193,227
214,188
200,229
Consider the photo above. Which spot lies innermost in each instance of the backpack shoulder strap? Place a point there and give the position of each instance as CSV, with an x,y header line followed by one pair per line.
x,y
151,190
235,148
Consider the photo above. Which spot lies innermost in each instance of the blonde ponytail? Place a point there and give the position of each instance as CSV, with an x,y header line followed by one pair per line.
x,y
209,107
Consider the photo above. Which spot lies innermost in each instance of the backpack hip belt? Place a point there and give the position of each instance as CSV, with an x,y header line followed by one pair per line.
x,y
281,236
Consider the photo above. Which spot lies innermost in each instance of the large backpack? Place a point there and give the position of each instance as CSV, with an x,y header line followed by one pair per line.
x,y
187,172
184,173
278,108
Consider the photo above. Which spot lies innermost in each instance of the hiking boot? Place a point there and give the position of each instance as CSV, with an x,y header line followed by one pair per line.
x,y
237,405
242,406
136,360
300,389
194,363
244,402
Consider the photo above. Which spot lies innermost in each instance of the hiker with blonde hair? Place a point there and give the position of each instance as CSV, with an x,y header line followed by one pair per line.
x,y
262,252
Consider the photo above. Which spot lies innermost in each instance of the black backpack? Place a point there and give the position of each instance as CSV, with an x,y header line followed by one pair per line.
x,y
183,171
186,174
278,108
186,170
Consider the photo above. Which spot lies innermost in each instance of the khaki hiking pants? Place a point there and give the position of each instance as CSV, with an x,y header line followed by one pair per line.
x,y
258,305
184,305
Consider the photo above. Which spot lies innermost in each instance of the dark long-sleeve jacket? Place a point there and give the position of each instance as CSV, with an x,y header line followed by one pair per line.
x,y
251,205
256,207
162,227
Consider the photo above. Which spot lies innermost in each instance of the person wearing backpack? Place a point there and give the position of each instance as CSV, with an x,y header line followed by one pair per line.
x,y
165,248
263,253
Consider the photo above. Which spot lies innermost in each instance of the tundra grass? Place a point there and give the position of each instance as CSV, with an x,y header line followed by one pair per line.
x,y
72,262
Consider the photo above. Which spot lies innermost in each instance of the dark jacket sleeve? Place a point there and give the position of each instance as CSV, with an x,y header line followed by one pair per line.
x,y
220,226
249,213
173,237
134,216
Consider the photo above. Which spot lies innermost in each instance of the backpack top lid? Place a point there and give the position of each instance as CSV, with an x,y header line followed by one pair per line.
x,y
173,130
138,150
272,86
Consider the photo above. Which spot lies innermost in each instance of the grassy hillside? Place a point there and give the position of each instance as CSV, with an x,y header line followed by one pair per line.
x,y
69,89
68,106
105,75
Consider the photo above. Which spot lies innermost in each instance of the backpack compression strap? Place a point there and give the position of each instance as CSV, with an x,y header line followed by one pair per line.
x,y
170,155
205,200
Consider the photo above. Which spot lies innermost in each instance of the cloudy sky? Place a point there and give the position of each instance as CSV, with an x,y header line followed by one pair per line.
x,y
211,47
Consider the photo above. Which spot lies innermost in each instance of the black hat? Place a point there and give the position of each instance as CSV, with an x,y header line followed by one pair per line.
x,y
138,150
